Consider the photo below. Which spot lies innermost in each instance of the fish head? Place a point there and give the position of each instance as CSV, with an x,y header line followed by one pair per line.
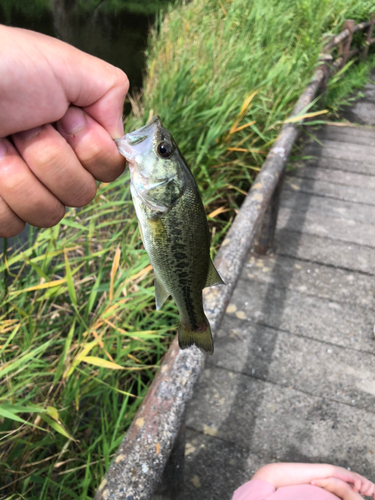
x,y
149,150
154,162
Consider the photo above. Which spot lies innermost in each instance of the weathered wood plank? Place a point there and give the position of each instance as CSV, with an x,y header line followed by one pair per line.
x,y
321,205
215,468
336,191
292,376
341,164
341,153
326,251
339,374
336,177
349,134
363,111
279,421
360,150
348,231
340,323
312,278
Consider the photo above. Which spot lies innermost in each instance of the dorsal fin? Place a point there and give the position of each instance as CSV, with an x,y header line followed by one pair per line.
x,y
213,277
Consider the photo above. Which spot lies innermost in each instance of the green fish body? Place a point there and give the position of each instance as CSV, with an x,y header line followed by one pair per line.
x,y
173,227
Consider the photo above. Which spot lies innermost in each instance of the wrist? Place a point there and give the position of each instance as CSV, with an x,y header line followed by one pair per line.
x,y
330,470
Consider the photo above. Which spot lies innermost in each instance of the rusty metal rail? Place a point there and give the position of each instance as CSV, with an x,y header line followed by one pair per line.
x,y
150,456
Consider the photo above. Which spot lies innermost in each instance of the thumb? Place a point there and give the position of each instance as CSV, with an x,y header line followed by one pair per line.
x,y
95,86
70,76
108,109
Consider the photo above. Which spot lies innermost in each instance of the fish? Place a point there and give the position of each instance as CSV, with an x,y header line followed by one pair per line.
x,y
173,227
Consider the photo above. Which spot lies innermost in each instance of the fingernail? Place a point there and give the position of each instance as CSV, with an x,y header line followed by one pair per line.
x,y
73,120
25,135
3,149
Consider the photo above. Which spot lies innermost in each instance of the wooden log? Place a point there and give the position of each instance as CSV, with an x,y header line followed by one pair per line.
x,y
369,40
344,46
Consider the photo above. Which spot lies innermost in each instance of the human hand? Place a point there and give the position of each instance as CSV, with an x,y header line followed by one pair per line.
x,y
338,487
44,168
360,483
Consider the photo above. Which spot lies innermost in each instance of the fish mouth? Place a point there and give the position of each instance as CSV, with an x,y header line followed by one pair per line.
x,y
127,144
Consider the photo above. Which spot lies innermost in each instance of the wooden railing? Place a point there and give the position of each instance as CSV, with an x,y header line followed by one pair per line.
x,y
151,455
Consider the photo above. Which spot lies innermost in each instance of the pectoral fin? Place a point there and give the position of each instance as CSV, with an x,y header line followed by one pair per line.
x,y
161,294
141,233
213,277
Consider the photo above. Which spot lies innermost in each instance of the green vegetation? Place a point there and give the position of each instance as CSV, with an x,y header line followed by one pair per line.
x,y
79,335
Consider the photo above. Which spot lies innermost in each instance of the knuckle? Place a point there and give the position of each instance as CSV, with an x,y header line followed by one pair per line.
x,y
10,223
11,176
54,216
87,194
47,156
110,174
104,165
11,228
93,155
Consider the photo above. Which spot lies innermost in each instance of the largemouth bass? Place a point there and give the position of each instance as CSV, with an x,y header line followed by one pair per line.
x,y
173,227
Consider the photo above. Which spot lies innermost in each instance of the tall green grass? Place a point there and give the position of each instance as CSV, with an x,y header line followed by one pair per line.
x,y
80,338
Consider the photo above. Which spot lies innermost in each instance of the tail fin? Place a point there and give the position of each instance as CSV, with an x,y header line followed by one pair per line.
x,y
202,337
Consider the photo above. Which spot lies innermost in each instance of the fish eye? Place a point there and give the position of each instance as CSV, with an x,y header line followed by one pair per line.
x,y
164,150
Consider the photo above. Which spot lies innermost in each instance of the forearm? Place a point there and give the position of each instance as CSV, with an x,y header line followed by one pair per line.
x,y
286,474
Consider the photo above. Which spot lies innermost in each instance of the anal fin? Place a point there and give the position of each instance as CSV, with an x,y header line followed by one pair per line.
x,y
213,277
161,294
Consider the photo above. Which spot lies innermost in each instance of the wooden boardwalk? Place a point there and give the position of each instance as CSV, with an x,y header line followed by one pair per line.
x,y
293,374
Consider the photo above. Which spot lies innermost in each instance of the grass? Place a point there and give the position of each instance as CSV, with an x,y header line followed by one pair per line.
x,y
80,338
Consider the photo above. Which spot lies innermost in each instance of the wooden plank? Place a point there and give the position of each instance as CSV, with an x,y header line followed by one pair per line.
x,y
347,231
347,151
340,192
281,422
319,369
312,278
215,468
361,167
364,167
337,177
363,111
333,322
312,248
352,133
321,205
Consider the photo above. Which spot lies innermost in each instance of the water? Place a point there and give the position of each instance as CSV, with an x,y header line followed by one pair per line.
x,y
114,30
